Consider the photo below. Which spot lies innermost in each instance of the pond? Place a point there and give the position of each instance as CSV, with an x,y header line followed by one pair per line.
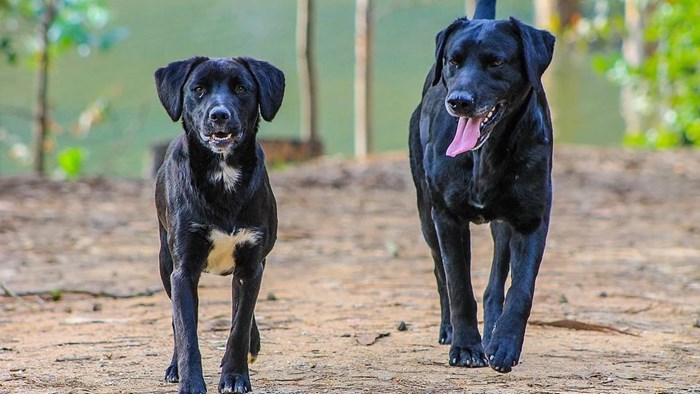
x,y
585,106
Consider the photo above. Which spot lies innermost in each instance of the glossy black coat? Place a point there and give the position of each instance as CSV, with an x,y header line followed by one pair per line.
x,y
194,197
507,181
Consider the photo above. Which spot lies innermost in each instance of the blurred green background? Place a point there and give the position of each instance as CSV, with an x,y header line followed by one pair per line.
x,y
585,105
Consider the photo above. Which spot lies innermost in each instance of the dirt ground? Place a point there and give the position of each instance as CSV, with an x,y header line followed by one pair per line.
x,y
349,265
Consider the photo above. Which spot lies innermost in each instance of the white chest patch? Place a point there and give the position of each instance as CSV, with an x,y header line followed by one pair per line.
x,y
226,174
221,260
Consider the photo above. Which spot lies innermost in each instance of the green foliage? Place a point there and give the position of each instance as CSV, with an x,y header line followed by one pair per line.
x,y
7,50
70,162
667,84
78,24
69,24
56,295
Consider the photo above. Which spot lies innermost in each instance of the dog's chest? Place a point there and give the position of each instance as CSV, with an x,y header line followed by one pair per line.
x,y
222,255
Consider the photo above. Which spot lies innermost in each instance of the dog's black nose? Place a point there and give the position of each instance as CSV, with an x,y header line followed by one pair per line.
x,y
461,102
219,115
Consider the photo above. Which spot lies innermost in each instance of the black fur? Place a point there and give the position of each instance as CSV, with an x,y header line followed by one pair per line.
x,y
482,66
220,102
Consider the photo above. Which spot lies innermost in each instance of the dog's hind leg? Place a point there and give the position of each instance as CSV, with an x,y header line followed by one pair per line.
x,y
254,342
506,343
453,236
493,296
445,335
428,229
166,269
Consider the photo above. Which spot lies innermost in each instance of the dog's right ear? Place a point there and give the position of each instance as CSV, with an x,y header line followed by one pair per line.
x,y
440,41
170,81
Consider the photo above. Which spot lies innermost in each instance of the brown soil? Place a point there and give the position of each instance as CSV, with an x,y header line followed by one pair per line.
x,y
349,265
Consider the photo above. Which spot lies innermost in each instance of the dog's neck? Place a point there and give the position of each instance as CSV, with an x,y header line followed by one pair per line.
x,y
228,172
505,139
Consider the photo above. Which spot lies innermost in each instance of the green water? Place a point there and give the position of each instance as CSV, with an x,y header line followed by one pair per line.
x,y
584,105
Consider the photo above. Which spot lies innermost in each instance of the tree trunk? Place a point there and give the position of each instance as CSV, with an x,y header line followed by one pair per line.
x,y
307,71
635,51
469,7
556,15
41,111
363,50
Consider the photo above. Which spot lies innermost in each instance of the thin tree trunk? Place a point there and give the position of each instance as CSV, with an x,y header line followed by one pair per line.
x,y
41,114
556,15
469,7
307,71
363,50
635,50
544,13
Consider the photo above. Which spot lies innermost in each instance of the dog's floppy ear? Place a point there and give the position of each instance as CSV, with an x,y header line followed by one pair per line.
x,y
270,81
169,82
440,41
538,48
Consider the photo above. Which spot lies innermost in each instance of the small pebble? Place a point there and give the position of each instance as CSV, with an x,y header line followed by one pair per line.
x,y
271,297
402,326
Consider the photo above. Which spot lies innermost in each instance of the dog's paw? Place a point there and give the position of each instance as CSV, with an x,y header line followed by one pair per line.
x,y
192,387
467,356
234,383
503,353
445,337
487,338
171,375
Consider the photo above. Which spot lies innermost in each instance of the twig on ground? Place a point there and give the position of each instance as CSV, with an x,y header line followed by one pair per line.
x,y
10,293
577,325
96,294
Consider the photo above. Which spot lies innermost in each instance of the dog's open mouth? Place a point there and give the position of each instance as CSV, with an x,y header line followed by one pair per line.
x,y
473,132
221,139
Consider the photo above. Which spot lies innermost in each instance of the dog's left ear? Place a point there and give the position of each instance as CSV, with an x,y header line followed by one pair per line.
x,y
169,82
538,49
270,81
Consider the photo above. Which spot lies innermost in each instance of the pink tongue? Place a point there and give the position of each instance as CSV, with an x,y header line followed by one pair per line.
x,y
465,137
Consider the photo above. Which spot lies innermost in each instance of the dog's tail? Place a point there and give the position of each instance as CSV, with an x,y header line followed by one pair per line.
x,y
485,9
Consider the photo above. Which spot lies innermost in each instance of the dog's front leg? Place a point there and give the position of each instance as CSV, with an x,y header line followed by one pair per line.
x,y
506,342
501,233
466,349
234,365
185,309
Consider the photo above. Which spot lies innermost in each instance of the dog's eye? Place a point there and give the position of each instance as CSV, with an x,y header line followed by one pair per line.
x,y
496,63
454,62
199,90
240,89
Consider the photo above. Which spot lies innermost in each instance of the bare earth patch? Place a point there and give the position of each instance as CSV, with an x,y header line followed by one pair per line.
x,y
621,270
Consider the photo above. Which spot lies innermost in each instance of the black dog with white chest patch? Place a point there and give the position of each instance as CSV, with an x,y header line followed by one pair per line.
x,y
216,210
481,151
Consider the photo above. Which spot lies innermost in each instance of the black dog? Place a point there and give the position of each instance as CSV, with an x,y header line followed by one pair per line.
x,y
481,151
215,206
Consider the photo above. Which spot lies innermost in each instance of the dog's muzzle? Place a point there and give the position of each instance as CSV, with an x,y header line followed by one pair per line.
x,y
220,130
474,126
